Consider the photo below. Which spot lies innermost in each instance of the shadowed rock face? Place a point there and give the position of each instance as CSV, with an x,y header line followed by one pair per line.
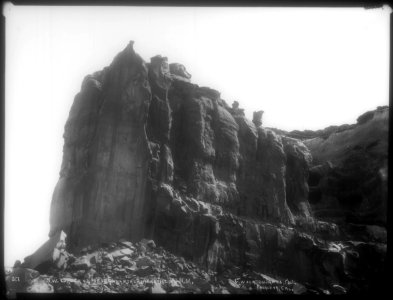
x,y
148,154
349,177
102,186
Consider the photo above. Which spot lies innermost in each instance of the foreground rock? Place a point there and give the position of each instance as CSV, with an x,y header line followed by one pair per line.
x,y
53,251
157,271
148,270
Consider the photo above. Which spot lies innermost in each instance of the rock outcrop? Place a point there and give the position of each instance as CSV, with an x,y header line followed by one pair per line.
x,y
349,168
349,177
52,252
148,154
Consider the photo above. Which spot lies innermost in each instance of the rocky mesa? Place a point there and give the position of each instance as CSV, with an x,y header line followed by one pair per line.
x,y
150,155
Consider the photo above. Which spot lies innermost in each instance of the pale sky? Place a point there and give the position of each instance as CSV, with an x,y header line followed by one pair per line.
x,y
307,68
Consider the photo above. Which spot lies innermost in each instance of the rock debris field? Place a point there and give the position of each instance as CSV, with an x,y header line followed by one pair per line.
x,y
124,267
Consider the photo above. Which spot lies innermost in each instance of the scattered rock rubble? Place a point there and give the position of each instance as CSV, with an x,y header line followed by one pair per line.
x,y
125,267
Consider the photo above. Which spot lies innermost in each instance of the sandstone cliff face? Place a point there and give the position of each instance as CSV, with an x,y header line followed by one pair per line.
x,y
349,176
101,191
149,154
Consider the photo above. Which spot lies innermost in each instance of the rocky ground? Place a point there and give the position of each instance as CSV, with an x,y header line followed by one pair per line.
x,y
124,267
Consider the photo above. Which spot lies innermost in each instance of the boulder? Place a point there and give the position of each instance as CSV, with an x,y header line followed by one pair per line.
x,y
121,252
127,244
148,243
17,264
19,279
257,118
178,71
157,289
91,273
48,253
299,289
82,263
144,271
144,261
108,257
40,285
